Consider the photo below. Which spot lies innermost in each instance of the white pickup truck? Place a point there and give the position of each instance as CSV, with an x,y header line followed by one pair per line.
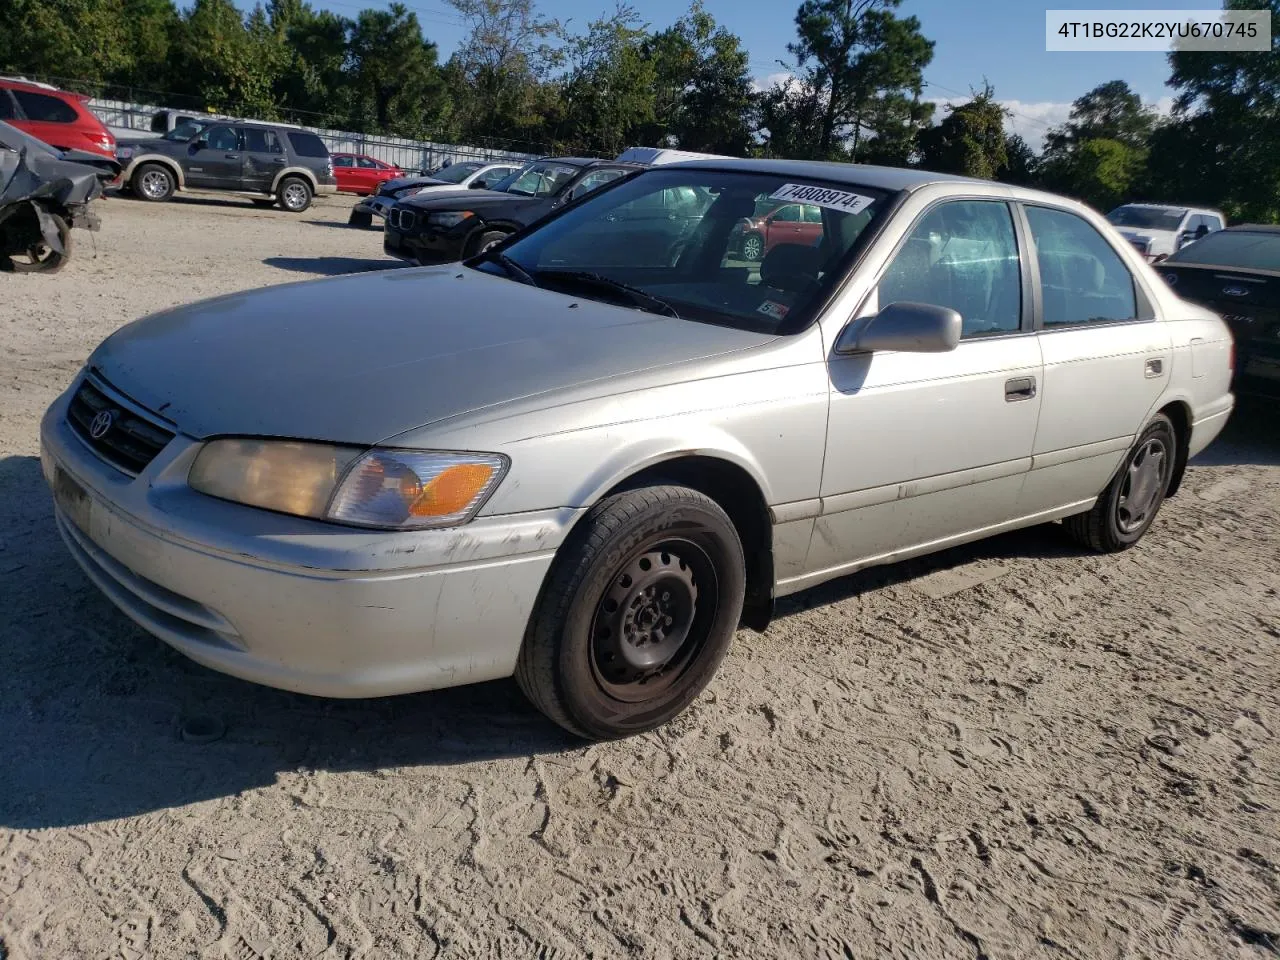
x,y
1158,231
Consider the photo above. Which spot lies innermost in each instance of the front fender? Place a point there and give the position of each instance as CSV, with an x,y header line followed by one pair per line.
x,y
173,165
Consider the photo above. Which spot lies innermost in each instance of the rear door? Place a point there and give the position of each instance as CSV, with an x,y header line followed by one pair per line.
x,y
263,158
214,159
1107,359
367,175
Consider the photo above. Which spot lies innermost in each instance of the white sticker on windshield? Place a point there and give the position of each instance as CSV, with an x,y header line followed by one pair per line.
x,y
841,200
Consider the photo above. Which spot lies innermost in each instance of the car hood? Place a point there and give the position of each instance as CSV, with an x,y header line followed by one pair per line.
x,y
360,359
451,199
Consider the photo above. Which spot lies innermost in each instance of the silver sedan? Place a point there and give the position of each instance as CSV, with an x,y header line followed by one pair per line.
x,y
589,455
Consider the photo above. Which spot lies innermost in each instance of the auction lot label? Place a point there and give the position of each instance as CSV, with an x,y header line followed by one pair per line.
x,y
1161,31
841,200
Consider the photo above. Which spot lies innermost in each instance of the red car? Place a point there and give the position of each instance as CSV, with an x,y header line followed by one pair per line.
x,y
361,175
58,117
791,223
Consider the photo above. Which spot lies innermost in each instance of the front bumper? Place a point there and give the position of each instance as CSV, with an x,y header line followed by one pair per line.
x,y
292,603
431,245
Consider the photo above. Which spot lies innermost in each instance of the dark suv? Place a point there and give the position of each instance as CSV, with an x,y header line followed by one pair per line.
x,y
443,227
269,162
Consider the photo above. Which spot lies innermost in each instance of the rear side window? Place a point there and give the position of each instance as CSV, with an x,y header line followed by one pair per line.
x,y
261,141
6,106
45,109
307,144
1082,279
365,163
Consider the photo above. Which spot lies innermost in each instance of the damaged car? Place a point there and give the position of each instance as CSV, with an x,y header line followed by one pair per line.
x,y
44,193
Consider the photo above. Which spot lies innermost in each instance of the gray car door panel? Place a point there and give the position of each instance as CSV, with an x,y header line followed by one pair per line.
x,y
264,157
925,447
1107,359
214,159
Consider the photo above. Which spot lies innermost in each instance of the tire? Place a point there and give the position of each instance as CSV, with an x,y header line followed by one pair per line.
x,y
153,182
597,657
1127,507
42,258
294,194
753,247
358,219
486,240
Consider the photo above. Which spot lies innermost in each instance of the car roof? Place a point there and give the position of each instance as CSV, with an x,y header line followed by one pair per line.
x,y
886,178
580,161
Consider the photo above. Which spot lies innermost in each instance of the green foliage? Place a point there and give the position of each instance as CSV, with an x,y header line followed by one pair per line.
x,y
607,90
970,141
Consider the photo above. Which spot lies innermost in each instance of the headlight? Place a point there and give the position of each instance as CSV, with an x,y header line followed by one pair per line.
x,y
384,488
124,153
451,219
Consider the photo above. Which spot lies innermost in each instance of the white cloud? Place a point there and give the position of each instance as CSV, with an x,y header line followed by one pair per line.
x,y
784,77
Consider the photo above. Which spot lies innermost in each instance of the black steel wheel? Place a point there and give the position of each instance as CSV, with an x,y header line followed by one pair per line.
x,y
637,613
39,256
1127,507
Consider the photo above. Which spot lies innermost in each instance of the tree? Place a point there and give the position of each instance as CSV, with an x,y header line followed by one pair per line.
x,y
862,65
607,90
702,95
82,40
970,141
220,63
311,78
498,74
1021,165
1100,172
1110,111
394,81
1223,146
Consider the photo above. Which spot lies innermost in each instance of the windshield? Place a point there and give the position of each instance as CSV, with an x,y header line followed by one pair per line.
x,y
456,172
675,241
1234,248
537,179
186,130
1150,218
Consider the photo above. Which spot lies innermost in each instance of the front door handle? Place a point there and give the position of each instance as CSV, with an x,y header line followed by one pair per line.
x,y
1154,367
1021,388
279,160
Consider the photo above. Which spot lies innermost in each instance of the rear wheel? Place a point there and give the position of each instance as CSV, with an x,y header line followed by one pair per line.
x,y
637,613
294,194
1128,506
153,182
39,257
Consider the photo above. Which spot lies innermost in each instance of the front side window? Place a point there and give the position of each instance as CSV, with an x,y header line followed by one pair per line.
x,y
186,130
223,138
687,267
593,181
366,164
43,108
6,106
963,255
342,161
455,172
1082,279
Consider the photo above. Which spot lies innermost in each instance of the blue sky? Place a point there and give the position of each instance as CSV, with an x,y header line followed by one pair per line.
x,y
1002,40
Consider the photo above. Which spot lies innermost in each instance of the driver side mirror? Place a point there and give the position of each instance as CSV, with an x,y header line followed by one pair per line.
x,y
902,326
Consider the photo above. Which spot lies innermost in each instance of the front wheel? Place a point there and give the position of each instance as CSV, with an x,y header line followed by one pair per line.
x,y
637,613
294,194
490,238
1127,507
753,247
153,182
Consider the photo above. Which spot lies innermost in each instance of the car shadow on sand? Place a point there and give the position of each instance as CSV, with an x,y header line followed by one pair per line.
x,y
334,266
98,720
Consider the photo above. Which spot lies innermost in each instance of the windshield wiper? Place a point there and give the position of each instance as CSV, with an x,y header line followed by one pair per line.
x,y
511,265
585,278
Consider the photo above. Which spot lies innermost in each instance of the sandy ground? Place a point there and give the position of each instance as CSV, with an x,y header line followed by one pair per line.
x,y
1012,750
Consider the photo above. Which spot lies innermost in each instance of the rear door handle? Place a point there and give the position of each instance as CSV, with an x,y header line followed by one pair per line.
x,y
1020,388
1154,367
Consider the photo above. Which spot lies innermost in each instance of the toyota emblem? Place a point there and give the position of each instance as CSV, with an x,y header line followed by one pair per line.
x,y
101,424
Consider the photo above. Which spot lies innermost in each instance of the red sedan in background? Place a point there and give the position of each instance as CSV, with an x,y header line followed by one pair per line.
x,y
60,118
790,223
360,174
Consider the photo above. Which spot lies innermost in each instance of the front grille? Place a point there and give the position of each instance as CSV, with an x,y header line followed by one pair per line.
x,y
125,438
401,219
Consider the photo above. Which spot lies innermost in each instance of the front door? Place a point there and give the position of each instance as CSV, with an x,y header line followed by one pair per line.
x,y
923,448
1107,360
214,159
263,158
